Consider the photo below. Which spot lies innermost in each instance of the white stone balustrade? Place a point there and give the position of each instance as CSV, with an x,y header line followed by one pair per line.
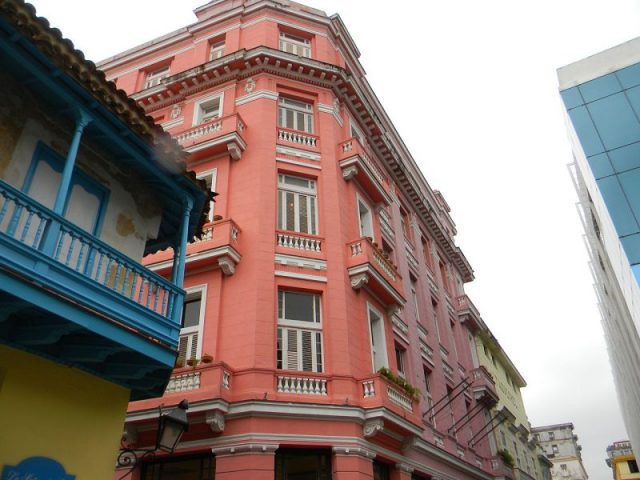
x,y
298,242
384,264
302,385
368,389
200,131
297,137
399,398
183,382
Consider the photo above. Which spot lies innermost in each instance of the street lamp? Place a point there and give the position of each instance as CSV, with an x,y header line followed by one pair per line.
x,y
171,426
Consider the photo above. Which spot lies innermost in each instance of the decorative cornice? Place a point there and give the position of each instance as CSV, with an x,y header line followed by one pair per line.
x,y
260,448
348,450
371,427
260,94
301,276
215,420
302,262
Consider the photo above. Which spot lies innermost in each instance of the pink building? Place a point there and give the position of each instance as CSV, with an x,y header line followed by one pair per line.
x,y
328,258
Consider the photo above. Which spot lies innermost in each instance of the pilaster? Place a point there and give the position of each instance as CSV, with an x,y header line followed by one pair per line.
x,y
352,463
239,462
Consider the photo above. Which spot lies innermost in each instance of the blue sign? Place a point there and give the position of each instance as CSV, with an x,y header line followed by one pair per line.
x,y
36,468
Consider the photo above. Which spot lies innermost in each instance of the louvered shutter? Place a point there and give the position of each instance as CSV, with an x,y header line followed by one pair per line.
x,y
301,349
292,349
307,350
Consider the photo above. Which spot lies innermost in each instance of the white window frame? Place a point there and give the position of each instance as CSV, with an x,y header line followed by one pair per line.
x,y
385,360
200,290
414,298
216,50
299,326
297,191
212,174
297,107
198,108
401,359
297,45
360,201
355,132
153,78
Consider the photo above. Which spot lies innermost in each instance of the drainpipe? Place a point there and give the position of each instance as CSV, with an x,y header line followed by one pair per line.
x,y
180,255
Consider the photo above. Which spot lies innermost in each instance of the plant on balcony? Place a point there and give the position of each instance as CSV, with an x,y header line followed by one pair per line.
x,y
412,391
507,458
193,362
206,358
179,362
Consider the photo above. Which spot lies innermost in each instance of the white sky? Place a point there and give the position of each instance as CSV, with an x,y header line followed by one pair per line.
x,y
471,87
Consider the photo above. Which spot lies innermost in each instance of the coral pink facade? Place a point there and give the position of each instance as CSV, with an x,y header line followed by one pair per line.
x,y
329,256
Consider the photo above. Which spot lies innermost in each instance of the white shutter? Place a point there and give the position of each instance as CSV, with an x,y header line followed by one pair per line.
x,y
301,350
188,346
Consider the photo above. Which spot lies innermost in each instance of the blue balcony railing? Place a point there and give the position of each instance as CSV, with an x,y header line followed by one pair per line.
x,y
141,295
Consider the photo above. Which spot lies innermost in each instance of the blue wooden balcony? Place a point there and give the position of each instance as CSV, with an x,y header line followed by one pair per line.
x,y
68,296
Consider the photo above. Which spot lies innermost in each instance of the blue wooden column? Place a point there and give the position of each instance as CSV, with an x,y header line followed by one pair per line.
x,y
82,121
180,255
51,236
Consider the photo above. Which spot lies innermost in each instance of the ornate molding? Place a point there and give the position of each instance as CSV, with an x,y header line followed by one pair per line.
x,y
235,151
362,452
409,443
349,172
215,420
404,467
264,448
130,434
227,265
360,280
371,427
250,85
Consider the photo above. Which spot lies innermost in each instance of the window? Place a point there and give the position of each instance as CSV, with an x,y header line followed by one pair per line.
x,y
217,50
426,250
86,201
414,298
210,179
380,471
295,115
208,109
434,306
299,345
563,467
365,219
427,388
552,436
355,132
400,356
405,220
378,343
192,321
295,44
154,77
301,464
444,275
554,449
633,466
201,467
297,204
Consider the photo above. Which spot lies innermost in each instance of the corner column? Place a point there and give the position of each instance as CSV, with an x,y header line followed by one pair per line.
x,y
352,463
402,471
239,462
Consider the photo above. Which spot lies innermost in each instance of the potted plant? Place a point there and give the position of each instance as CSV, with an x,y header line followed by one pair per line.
x,y
193,362
179,362
206,358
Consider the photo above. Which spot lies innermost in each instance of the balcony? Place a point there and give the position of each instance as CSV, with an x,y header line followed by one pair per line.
x,y
298,139
368,266
377,391
500,469
217,246
483,387
214,137
68,296
356,163
467,312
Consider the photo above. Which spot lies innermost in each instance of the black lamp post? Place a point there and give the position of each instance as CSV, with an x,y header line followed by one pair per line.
x,y
171,426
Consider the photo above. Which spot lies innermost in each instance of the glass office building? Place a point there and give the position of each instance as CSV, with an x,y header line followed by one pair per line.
x,y
601,95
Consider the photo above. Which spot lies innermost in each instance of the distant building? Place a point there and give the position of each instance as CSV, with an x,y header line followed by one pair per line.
x,y
512,438
601,95
560,445
622,461
88,185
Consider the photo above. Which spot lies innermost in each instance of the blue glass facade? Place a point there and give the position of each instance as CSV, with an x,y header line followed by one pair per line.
x,y
605,113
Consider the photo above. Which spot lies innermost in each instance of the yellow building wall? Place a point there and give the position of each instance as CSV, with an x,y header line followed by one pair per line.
x,y
50,410
622,471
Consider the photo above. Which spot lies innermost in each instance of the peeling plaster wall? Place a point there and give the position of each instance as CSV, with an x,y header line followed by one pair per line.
x,y
133,212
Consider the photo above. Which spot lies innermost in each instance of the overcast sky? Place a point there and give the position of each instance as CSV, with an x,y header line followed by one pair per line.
x,y
471,87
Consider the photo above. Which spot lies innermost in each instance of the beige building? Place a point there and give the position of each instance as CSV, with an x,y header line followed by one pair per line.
x,y
560,445
511,434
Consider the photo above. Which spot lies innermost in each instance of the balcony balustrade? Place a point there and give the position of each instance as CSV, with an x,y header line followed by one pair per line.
x,y
368,265
218,245
378,391
484,387
467,312
500,469
215,136
299,139
357,163
301,385
299,241
69,282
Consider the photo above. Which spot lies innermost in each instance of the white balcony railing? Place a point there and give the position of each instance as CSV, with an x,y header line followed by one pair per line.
x,y
298,242
302,385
